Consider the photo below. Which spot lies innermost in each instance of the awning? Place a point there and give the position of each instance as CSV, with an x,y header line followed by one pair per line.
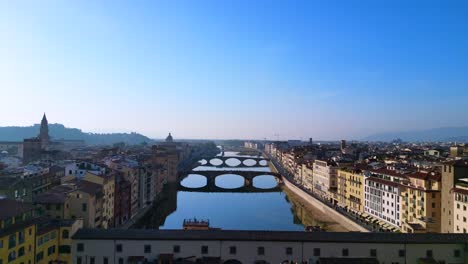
x,y
365,215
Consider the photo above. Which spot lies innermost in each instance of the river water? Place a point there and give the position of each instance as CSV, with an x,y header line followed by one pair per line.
x,y
278,210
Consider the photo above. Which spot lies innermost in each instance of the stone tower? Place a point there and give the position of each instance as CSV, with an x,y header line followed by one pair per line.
x,y
44,132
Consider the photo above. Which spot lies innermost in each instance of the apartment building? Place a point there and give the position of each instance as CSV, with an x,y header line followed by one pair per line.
x,y
325,178
350,189
460,205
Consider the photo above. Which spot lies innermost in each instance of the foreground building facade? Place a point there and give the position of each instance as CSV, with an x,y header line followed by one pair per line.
x,y
166,246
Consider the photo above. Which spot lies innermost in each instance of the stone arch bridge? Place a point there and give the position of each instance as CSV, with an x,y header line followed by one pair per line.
x,y
241,159
247,187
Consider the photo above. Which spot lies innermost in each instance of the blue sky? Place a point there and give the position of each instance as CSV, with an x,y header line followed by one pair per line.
x,y
235,69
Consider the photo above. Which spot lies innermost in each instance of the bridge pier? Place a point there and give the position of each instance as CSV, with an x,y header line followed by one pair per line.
x,y
247,182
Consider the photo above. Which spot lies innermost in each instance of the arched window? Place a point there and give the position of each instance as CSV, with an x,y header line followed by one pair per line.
x,y
65,234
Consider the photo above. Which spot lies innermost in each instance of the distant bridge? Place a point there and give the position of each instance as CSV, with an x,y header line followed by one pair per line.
x,y
242,160
247,187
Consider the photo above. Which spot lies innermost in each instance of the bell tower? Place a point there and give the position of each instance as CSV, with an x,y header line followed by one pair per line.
x,y
44,132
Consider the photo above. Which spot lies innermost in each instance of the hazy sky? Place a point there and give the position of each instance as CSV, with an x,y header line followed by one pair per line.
x,y
235,69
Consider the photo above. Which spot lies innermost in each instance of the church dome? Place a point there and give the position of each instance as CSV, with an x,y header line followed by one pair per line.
x,y
169,138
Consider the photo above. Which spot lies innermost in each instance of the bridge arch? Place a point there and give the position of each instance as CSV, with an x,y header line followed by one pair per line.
x,y
189,182
232,162
238,181
250,162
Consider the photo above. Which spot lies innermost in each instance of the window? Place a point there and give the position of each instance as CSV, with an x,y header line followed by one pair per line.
x,y
433,205
316,252
456,253
204,249
260,251
345,252
80,247
39,256
50,250
401,253
121,261
147,248
92,260
1,243
176,249
11,241
373,252
65,234
79,260
84,207
105,260
64,249
429,253
11,256
289,251
20,237
21,252
118,247
232,250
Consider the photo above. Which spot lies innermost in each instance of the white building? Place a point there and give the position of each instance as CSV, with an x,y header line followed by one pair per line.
x,y
324,178
460,206
216,246
382,196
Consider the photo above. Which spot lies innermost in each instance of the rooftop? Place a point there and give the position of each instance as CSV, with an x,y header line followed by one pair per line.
x,y
12,208
241,235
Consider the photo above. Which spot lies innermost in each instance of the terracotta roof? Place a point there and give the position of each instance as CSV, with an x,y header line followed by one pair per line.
x,y
382,181
460,190
12,208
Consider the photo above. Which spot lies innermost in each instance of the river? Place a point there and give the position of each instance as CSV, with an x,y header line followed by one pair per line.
x,y
276,210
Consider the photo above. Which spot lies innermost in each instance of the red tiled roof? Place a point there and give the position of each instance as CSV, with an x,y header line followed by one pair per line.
x,y
460,190
382,181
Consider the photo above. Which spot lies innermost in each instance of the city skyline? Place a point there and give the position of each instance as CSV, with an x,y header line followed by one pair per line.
x,y
221,70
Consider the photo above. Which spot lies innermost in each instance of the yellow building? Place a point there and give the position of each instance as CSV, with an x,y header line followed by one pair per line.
x,y
421,202
26,239
17,232
350,189
107,181
53,241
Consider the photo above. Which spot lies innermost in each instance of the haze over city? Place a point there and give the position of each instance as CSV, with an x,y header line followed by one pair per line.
x,y
235,69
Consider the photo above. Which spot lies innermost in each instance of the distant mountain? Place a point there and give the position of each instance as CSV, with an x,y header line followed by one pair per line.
x,y
59,131
453,134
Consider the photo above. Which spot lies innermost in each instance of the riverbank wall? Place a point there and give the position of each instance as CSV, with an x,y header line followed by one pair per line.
x,y
319,205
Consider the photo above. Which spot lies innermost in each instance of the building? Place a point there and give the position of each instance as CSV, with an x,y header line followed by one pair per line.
x,y
13,148
25,238
452,172
456,151
421,202
382,196
107,183
17,232
460,205
342,144
324,177
307,175
350,189
201,246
